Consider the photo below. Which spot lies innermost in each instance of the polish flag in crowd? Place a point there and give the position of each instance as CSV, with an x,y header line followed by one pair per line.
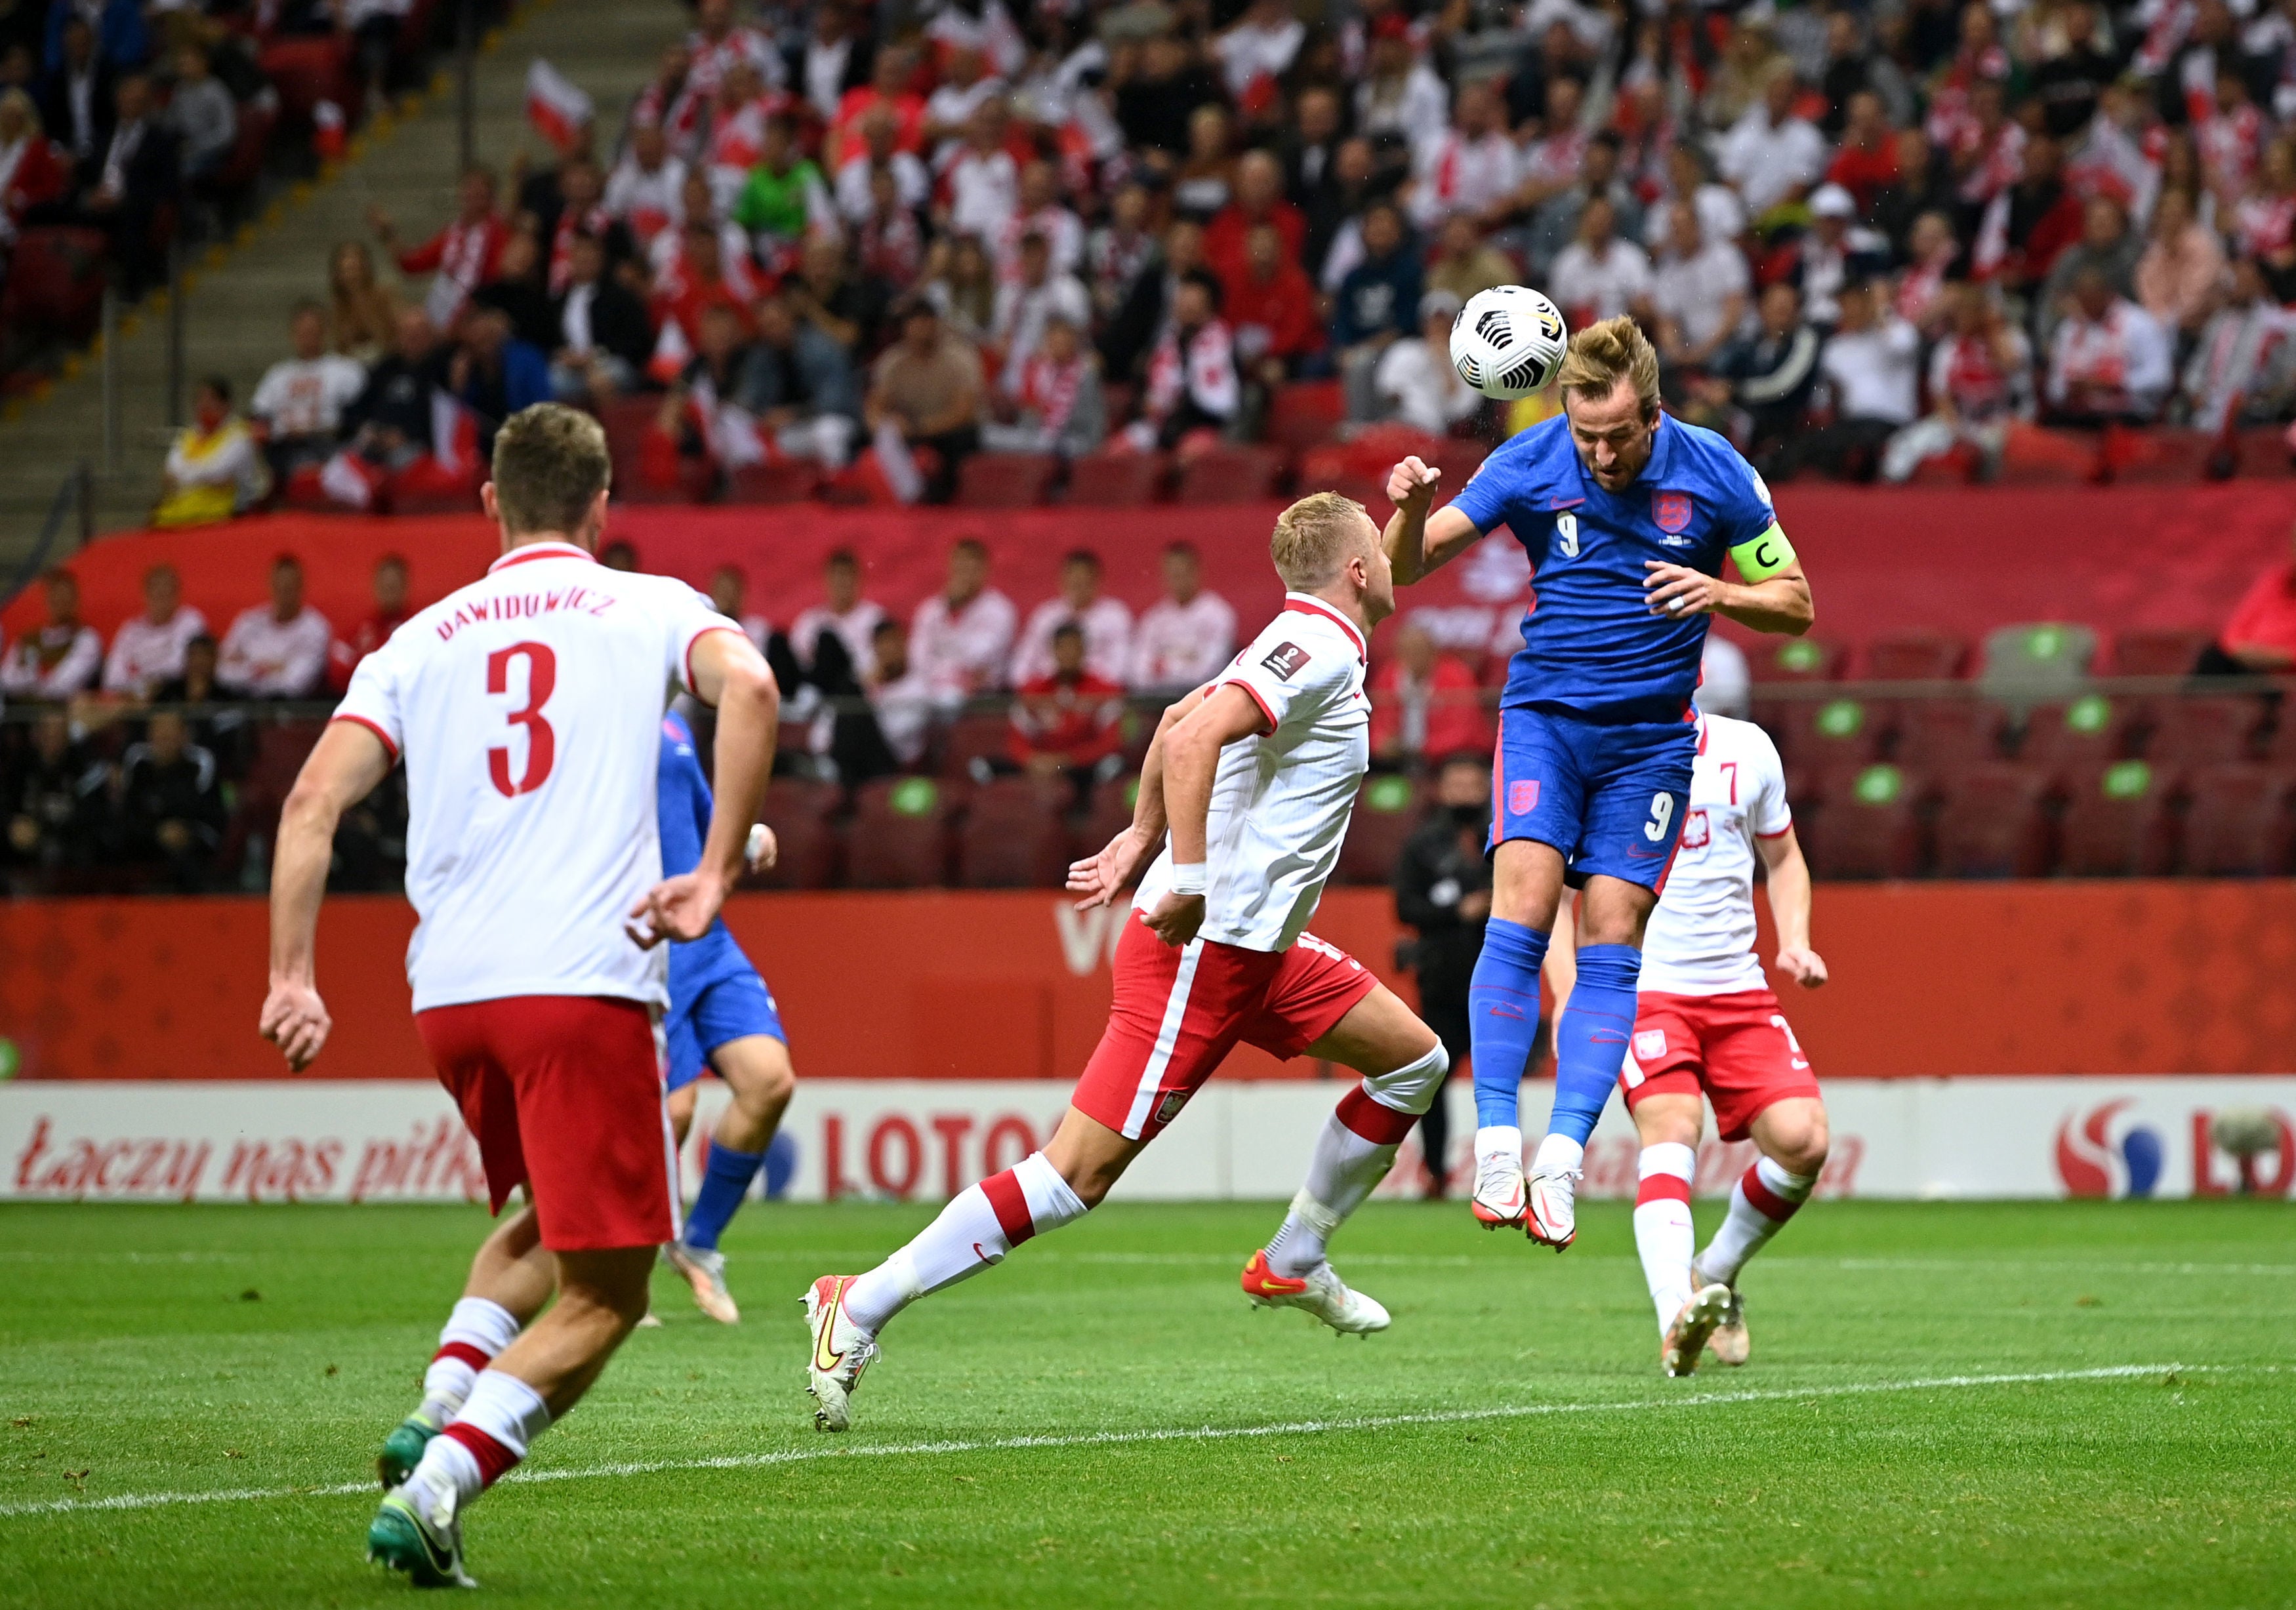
x,y
556,105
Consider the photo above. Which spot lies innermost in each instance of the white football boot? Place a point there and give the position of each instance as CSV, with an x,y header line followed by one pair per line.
x,y
1729,1341
1499,1200
1319,1292
1685,1339
1552,1219
841,1350
704,1269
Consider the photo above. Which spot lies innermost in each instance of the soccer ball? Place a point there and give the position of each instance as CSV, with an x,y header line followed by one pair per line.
x,y
1507,341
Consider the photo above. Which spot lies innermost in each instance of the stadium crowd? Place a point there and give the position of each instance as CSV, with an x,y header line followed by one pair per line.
x,y
842,247
125,128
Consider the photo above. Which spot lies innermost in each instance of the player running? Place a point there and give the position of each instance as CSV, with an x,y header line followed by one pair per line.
x,y
1708,1024
722,1019
1626,513
528,706
1255,774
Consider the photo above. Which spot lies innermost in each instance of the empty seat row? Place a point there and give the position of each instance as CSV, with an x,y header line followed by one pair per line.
x,y
2028,653
1950,733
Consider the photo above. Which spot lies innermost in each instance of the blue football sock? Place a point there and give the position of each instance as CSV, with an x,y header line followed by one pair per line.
x,y
1590,1040
724,1183
1502,1017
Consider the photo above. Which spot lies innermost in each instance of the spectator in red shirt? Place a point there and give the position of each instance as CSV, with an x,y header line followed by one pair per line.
x,y
465,255
1258,201
1424,704
888,87
2260,637
391,612
1271,307
1867,162
1070,723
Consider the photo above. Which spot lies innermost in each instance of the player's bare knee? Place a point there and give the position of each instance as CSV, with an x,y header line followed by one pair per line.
x,y
1798,1142
1669,1122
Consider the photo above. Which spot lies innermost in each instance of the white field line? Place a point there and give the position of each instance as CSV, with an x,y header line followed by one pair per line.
x,y
1398,1260
1118,1439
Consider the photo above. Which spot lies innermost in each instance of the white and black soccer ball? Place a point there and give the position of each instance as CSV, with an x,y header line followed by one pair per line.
x,y
1507,341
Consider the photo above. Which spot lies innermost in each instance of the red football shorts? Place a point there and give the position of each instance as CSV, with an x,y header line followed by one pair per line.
x,y
1178,1012
1735,1048
564,1095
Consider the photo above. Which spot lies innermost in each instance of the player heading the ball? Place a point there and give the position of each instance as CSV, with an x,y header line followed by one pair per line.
x,y
1626,513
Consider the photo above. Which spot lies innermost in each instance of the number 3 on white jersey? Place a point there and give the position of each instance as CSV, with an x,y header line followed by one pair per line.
x,y
1566,535
1661,812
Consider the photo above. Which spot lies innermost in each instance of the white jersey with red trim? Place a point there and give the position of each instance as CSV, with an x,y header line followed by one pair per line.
x,y
1281,799
528,706
1701,938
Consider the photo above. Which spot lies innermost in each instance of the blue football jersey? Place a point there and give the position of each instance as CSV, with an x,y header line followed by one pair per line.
x,y
682,807
1591,646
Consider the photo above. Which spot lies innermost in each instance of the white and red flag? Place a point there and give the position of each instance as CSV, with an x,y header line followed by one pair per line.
x,y
559,108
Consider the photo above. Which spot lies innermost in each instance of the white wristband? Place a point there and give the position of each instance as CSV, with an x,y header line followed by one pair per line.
x,y
1190,878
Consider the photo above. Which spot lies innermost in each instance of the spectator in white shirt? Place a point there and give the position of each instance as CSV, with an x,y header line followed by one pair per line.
x,y
1025,304
879,149
59,657
1872,364
148,649
278,650
2240,370
298,406
847,618
983,182
1699,293
1598,275
1416,381
1106,624
2110,359
961,637
1980,381
965,85
1399,93
898,695
645,191
1260,46
1837,249
729,589
1769,154
1186,636
1474,168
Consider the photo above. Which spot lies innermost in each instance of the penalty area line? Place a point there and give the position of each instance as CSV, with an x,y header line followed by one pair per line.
x,y
1119,1439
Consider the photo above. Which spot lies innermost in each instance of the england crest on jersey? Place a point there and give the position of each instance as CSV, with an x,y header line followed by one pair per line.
x,y
1671,510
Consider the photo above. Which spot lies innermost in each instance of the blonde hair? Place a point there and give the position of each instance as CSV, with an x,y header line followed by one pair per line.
x,y
1314,539
550,464
1603,355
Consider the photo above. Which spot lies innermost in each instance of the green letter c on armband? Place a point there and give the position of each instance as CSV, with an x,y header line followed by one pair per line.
x,y
1765,556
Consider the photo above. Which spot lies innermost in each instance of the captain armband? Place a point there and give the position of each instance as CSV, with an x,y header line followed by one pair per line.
x,y
1764,556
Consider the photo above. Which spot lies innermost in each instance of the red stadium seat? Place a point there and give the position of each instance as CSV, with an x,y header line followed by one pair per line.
x,y
790,482
1015,835
900,834
1991,823
2159,651
2162,454
977,735
2118,822
1795,660
2202,731
1306,414
1867,827
2264,453
1915,657
422,488
1387,808
2084,736
799,810
55,282
1831,735
236,175
1117,480
1230,475
1938,734
2237,823
1005,480
307,68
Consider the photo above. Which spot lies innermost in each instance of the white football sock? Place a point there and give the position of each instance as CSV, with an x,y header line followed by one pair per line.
x,y
1353,1154
980,1224
492,1433
1558,1154
1499,1140
474,1333
1663,1234
1763,1199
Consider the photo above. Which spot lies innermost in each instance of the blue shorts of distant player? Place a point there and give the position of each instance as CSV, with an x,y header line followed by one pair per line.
x,y
1610,797
727,1007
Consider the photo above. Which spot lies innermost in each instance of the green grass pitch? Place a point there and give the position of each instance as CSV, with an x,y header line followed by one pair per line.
x,y
2068,1404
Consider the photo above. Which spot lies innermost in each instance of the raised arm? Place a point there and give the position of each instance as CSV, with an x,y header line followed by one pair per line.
x,y
1418,543
730,674
1789,876
1192,751
349,759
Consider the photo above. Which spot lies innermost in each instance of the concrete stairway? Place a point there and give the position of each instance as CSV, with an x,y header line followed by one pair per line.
x,y
238,296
